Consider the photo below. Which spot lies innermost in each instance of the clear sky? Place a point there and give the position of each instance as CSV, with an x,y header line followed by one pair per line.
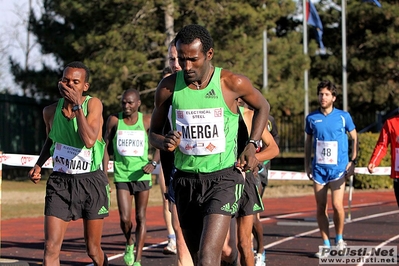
x,y
13,39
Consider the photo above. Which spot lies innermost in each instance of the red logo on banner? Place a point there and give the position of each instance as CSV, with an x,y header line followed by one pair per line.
x,y
25,160
49,162
4,158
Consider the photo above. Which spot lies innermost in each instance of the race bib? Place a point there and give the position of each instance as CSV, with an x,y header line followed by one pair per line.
x,y
326,152
71,160
202,131
130,142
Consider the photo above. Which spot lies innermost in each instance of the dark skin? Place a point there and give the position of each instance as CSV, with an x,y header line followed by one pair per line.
x,y
71,87
205,246
130,104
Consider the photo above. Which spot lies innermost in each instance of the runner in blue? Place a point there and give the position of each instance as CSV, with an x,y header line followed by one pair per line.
x,y
326,136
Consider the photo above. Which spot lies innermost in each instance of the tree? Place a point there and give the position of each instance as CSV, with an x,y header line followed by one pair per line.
x,y
372,50
124,44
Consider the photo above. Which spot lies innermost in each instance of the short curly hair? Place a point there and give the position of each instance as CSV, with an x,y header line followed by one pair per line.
x,y
191,32
329,85
78,64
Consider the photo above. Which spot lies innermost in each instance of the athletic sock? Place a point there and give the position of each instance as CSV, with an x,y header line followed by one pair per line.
x,y
338,238
326,242
172,236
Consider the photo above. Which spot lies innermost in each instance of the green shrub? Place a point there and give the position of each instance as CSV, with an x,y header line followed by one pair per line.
x,y
367,143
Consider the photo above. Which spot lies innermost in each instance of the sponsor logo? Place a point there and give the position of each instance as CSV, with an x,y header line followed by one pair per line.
x,y
211,95
257,207
385,255
103,210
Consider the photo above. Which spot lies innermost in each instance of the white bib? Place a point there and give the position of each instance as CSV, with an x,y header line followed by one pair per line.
x,y
326,152
130,142
202,131
71,160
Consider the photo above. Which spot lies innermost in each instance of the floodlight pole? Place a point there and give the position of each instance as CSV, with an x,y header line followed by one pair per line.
x,y
344,73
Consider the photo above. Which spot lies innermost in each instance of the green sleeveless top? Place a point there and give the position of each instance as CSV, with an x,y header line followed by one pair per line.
x,y
130,151
209,128
68,150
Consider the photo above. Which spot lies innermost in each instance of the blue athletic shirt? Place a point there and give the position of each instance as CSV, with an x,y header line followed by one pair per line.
x,y
330,128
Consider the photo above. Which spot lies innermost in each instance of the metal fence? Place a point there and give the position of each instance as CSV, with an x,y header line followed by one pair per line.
x,y
21,124
292,128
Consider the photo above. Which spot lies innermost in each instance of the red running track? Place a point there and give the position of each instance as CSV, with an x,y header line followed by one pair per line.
x,y
290,232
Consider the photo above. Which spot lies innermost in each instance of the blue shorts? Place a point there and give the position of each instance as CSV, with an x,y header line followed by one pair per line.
x,y
323,176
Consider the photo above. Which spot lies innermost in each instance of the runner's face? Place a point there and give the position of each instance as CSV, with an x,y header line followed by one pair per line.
x,y
326,99
74,78
130,103
193,61
173,61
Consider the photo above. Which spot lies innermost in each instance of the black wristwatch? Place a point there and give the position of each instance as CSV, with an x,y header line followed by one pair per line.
x,y
354,161
256,143
154,163
76,107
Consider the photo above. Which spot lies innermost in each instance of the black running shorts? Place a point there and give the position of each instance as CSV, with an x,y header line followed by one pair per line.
x,y
198,195
250,203
134,186
74,196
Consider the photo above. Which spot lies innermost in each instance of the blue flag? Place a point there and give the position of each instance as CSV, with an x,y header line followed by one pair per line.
x,y
373,1
313,19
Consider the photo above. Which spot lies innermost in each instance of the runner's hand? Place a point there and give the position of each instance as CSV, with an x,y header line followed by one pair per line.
x,y
172,140
34,174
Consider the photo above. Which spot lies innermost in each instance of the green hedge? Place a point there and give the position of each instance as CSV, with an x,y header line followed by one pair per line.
x,y
367,143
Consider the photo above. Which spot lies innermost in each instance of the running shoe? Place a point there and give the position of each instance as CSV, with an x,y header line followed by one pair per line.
x,y
170,248
341,245
260,259
129,255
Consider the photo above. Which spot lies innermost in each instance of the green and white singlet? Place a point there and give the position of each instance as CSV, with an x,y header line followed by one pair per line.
x,y
68,150
208,126
130,145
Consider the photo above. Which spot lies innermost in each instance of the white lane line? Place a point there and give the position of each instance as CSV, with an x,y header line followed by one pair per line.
x,y
301,213
317,230
265,219
380,245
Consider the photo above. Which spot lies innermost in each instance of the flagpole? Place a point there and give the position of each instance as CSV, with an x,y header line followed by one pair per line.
x,y
305,51
344,72
265,70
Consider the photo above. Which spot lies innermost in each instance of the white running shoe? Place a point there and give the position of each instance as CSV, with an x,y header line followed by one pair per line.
x,y
170,248
260,259
341,245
